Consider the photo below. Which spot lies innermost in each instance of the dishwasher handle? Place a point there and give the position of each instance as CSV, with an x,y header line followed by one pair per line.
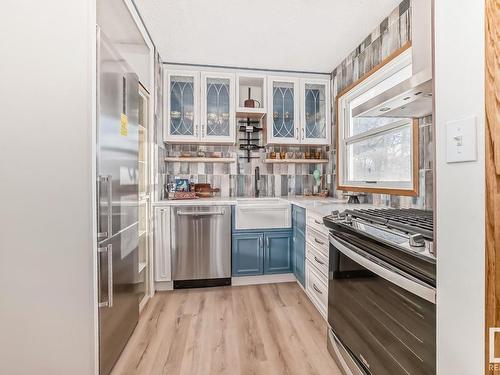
x,y
201,213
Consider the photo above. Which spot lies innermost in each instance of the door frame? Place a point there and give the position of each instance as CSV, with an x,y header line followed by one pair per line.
x,y
492,173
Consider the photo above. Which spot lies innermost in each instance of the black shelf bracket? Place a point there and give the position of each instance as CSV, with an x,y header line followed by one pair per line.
x,y
247,127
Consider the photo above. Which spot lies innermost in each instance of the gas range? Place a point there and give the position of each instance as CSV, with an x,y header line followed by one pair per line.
x,y
401,236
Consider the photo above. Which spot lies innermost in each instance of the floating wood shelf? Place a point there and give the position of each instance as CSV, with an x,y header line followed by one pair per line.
x,y
253,113
200,160
297,161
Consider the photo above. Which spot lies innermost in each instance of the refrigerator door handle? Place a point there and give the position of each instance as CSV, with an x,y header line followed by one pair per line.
x,y
109,179
109,251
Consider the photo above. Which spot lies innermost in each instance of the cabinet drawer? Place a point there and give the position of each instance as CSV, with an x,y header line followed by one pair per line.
x,y
318,259
316,289
316,222
319,240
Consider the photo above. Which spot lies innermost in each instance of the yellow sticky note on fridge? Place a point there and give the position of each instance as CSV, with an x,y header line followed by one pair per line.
x,y
124,125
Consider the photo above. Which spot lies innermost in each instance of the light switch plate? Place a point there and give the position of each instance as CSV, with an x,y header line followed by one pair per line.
x,y
461,140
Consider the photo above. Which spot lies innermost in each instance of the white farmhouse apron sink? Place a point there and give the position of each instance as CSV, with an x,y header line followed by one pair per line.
x,y
263,213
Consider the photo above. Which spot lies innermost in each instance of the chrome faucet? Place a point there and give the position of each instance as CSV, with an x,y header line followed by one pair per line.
x,y
256,181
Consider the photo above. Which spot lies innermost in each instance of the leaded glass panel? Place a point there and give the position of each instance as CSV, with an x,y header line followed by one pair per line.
x,y
218,106
283,110
181,105
315,111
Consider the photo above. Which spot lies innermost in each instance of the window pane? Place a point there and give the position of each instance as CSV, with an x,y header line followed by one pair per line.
x,y
384,157
363,124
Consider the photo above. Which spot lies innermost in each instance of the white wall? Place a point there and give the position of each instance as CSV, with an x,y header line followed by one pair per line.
x,y
47,323
459,92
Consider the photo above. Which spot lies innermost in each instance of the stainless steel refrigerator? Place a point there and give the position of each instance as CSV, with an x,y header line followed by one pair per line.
x,y
117,207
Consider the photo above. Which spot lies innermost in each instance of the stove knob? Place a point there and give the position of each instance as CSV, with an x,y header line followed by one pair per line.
x,y
417,240
335,214
342,215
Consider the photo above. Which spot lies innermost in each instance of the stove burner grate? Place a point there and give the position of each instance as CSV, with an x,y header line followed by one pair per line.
x,y
409,220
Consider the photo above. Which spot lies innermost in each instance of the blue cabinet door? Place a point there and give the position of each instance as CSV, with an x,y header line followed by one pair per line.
x,y
299,261
299,243
278,252
248,254
299,218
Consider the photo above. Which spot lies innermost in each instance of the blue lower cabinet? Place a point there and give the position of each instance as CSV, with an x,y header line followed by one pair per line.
x,y
248,254
277,252
299,254
260,253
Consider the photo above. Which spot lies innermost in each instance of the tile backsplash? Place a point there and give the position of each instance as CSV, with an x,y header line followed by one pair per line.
x,y
236,179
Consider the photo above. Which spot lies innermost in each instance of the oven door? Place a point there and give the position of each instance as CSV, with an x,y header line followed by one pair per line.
x,y
383,318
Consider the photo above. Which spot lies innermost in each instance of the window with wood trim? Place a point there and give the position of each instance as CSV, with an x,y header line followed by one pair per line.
x,y
377,154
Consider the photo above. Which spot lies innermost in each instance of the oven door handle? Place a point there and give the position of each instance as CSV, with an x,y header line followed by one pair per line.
x,y
387,272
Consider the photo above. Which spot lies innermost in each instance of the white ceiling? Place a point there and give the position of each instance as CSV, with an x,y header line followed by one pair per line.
x,y
302,35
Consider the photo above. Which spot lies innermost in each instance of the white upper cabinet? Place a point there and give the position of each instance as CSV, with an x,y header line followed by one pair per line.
x,y
315,111
182,120
200,107
283,123
218,118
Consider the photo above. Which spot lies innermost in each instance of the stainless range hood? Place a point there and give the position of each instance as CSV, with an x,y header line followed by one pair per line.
x,y
411,98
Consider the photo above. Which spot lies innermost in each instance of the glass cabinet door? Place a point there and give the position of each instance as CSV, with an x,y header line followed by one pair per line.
x,y
283,110
182,110
218,107
315,112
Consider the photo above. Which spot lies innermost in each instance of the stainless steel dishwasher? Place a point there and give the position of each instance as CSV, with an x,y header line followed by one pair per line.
x,y
201,246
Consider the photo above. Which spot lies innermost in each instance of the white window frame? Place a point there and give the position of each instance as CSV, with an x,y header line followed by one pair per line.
x,y
386,70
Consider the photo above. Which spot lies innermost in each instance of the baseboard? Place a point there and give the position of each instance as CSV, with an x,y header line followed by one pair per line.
x,y
302,287
263,279
161,286
143,302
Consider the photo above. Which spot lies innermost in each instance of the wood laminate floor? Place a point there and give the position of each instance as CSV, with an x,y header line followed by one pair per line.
x,y
258,329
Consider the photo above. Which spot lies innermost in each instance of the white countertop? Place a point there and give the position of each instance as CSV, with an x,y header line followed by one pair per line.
x,y
320,206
